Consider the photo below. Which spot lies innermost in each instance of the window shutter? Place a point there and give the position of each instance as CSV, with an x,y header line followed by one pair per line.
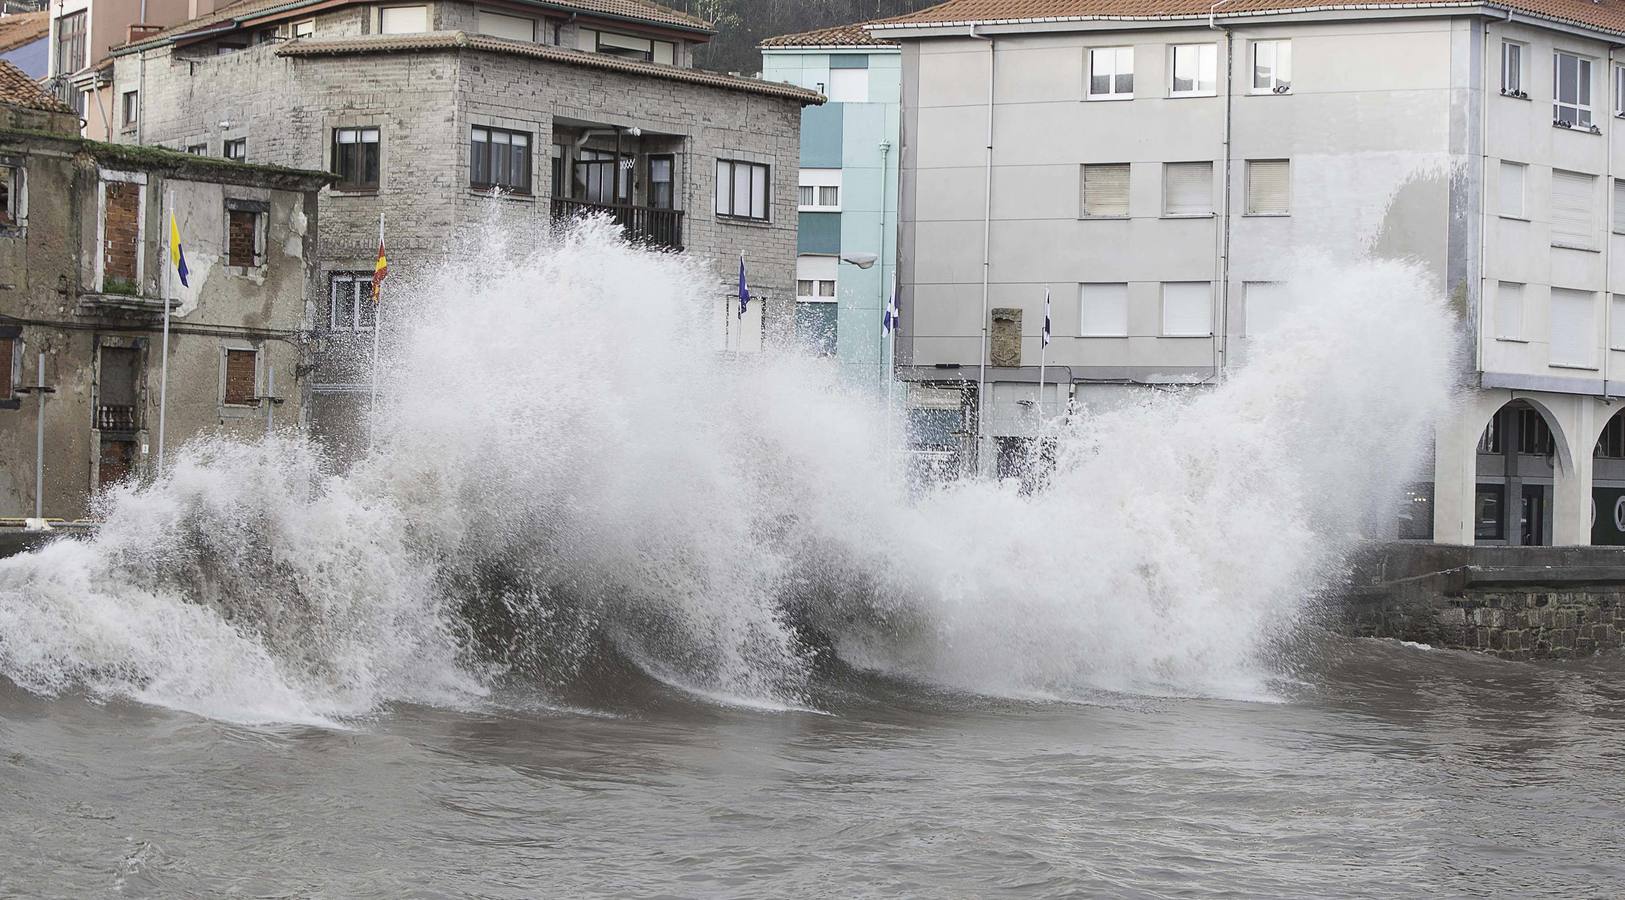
x,y
1512,189
1572,324
403,20
1105,190
1187,309
1509,310
1619,206
240,377
1104,310
1268,186
511,27
1573,224
1187,189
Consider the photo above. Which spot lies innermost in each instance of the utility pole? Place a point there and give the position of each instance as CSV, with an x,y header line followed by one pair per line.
x,y
40,390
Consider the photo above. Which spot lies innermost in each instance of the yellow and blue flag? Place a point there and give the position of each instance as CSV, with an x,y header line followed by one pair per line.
x,y
177,257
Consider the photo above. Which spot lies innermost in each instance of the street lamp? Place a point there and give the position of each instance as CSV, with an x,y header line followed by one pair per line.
x,y
861,260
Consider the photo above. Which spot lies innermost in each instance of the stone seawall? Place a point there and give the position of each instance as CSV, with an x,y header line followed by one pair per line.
x,y
1513,602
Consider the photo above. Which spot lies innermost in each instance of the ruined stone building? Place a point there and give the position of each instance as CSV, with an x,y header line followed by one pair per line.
x,y
444,116
83,238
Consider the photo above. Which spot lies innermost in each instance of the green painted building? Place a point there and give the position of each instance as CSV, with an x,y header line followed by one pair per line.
x,y
847,247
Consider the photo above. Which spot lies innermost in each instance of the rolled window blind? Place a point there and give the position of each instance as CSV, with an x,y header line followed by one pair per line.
x,y
1573,222
1268,186
1105,190
1187,189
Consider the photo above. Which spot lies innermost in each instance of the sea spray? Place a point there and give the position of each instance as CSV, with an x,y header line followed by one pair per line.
x,y
568,471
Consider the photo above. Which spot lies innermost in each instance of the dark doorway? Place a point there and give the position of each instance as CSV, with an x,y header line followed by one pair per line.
x,y
1532,524
117,460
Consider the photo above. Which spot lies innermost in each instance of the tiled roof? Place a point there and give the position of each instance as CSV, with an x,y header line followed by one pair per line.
x,y
17,89
642,11
23,28
458,40
1605,15
839,36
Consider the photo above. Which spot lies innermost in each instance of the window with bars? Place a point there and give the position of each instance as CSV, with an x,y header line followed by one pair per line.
x,y
239,384
1571,90
1269,187
1111,73
350,305
356,158
499,159
742,190
1104,191
1187,189
1272,67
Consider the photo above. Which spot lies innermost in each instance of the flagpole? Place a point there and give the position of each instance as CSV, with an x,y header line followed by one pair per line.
x,y
377,326
1043,352
163,366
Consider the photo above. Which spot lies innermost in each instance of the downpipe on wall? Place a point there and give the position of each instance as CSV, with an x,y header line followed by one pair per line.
x,y
1221,262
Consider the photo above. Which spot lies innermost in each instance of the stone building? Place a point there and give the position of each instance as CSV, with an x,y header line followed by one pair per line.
x,y
83,239
1158,167
444,116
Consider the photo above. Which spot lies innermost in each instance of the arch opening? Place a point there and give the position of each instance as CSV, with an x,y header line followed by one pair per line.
x,y
1519,453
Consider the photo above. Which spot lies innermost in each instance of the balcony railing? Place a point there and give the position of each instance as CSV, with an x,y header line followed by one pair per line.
x,y
110,417
642,224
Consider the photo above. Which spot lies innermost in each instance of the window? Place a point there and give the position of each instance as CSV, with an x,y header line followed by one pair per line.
x,y
197,149
350,306
1265,305
1616,323
1619,206
304,29
122,225
1508,311
499,159
1187,309
239,381
1571,90
1534,435
596,181
403,20
1195,70
1512,54
1512,189
816,309
626,46
515,28
1111,73
820,190
742,190
1187,189
1103,310
663,181
848,86
245,234
237,149
132,107
1487,518
12,205
1611,443
1619,92
1269,187
70,43
1104,191
355,159
8,364
1272,67
1573,328
1574,219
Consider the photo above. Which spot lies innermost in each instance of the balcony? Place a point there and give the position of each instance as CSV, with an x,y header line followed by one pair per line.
x,y
662,228
110,417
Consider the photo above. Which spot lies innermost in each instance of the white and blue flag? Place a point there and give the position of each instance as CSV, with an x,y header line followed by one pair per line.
x,y
1046,317
744,292
889,322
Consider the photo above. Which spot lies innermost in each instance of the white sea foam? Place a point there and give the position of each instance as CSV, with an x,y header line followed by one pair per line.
x,y
566,466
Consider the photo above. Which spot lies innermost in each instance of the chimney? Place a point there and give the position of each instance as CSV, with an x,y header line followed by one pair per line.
x,y
137,32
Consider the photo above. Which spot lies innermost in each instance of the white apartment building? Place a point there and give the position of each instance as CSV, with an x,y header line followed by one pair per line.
x,y
1157,167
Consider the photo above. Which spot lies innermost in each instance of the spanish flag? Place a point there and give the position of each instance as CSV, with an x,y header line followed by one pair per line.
x,y
380,270
178,258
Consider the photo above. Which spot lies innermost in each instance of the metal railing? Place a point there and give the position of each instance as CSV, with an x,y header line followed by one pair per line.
x,y
110,417
642,224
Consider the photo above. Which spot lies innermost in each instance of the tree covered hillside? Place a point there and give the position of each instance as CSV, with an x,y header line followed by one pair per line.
x,y
742,24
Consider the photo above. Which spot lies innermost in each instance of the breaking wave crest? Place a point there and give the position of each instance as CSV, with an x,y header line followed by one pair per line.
x,y
571,487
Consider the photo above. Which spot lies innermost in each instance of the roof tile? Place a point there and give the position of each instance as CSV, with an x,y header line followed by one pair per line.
x,y
23,28
17,89
838,36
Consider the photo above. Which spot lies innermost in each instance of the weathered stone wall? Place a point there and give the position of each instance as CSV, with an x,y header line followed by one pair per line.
x,y
1513,602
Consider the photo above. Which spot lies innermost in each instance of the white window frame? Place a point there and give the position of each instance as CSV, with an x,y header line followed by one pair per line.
x,y
428,24
1502,324
302,29
1522,212
1279,79
814,275
139,178
358,301
1175,332
1207,66
818,181
1083,317
1619,91
261,218
847,91
1514,73
1116,57
234,346
1585,76
18,186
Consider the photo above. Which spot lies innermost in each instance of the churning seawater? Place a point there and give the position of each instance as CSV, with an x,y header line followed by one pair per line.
x,y
606,612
